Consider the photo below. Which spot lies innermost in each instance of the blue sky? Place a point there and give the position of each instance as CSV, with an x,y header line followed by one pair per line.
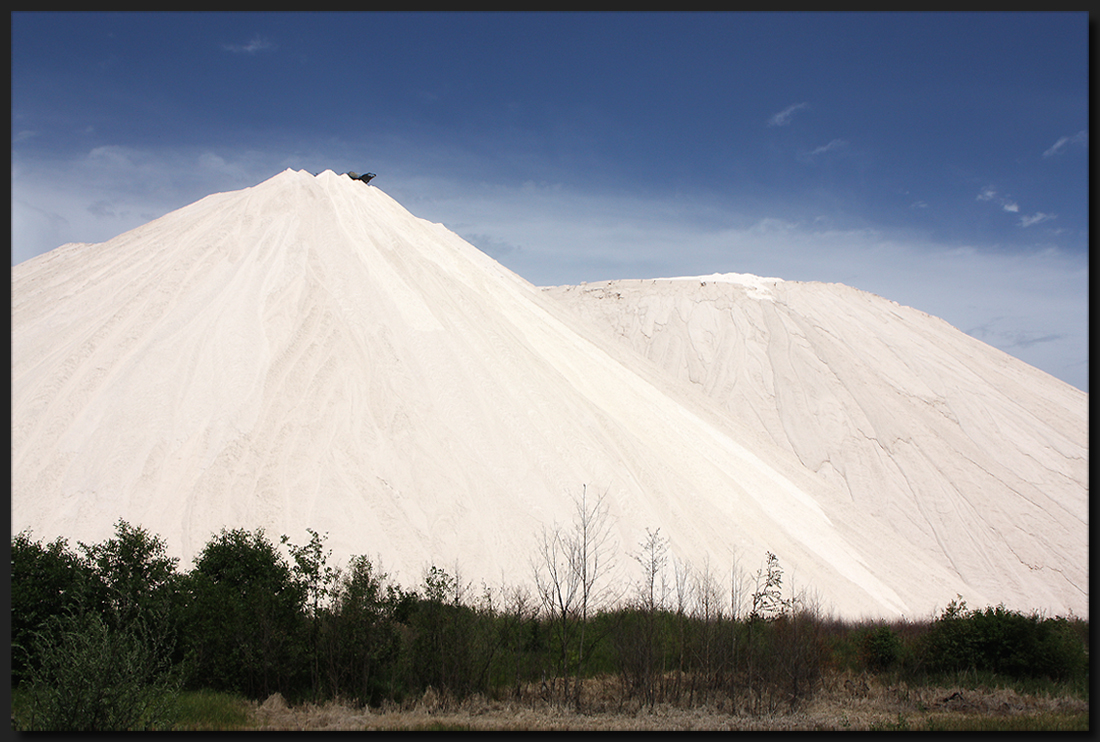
x,y
936,159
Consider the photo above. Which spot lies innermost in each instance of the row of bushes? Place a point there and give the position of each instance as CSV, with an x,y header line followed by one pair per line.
x,y
102,635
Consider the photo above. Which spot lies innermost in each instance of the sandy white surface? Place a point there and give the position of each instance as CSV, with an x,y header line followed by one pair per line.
x,y
969,455
306,353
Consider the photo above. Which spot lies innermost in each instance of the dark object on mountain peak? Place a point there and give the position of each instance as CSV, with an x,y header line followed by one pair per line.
x,y
365,177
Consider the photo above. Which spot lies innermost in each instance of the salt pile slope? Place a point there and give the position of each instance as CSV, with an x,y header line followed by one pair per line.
x,y
307,354
972,456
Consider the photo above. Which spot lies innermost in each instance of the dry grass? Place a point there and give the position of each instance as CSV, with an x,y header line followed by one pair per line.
x,y
845,702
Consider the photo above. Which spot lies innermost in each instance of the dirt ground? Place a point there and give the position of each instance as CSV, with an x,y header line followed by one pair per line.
x,y
844,704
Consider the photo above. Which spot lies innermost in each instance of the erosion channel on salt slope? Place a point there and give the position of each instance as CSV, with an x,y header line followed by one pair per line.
x,y
306,353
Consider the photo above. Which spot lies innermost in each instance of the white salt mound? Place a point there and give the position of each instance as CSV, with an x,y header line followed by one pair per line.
x,y
305,353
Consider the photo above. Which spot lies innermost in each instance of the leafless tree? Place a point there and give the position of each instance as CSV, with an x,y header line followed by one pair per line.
x,y
570,568
653,557
647,656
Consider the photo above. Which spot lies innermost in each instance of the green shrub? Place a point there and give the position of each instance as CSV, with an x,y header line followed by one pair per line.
x,y
1004,642
359,641
133,576
245,619
880,648
90,676
47,582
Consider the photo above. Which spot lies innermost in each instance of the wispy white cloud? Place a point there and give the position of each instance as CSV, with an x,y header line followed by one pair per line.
x,y
1037,218
989,193
836,144
256,44
784,117
1081,138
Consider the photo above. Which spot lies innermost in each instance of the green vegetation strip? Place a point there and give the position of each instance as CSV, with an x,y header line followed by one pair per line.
x,y
112,636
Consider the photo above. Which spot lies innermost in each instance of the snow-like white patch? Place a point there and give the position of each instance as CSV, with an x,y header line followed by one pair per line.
x,y
759,287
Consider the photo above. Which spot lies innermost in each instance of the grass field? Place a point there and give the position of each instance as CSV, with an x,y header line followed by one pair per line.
x,y
845,703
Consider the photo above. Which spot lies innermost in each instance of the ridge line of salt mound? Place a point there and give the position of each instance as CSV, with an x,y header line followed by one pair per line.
x,y
745,278
759,287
